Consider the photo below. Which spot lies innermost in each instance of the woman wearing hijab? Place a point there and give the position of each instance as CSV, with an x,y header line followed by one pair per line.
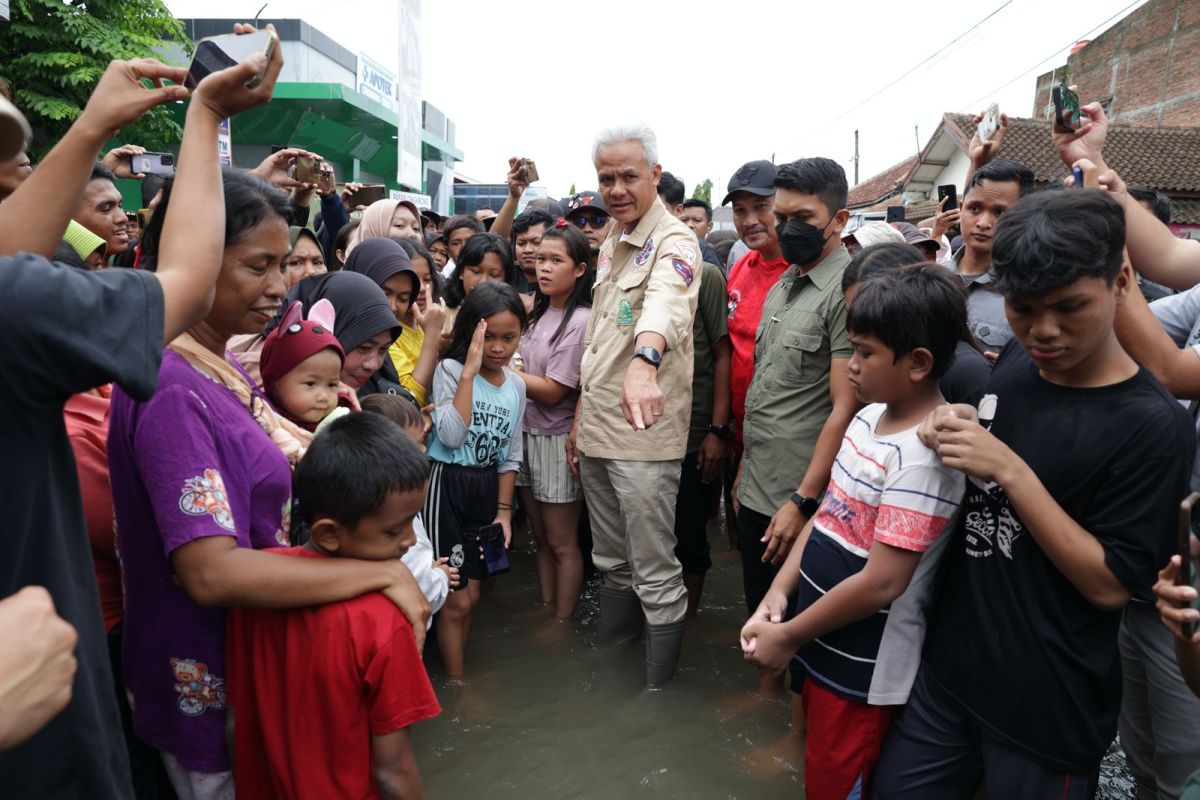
x,y
385,218
411,363
364,325
306,258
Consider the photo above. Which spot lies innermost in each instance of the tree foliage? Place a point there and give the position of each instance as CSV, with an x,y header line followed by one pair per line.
x,y
572,193
704,191
55,51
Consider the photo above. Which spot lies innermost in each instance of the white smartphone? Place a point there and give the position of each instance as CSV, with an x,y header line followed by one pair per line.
x,y
990,122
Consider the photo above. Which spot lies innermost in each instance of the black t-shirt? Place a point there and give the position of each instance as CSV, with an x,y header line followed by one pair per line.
x,y
65,331
1013,639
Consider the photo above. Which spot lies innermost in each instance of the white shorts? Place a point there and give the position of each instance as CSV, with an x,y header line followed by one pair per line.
x,y
545,470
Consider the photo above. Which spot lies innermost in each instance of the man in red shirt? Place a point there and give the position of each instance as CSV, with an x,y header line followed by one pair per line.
x,y
321,698
752,192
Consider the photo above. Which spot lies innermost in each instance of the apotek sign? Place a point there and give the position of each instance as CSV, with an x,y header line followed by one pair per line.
x,y
376,82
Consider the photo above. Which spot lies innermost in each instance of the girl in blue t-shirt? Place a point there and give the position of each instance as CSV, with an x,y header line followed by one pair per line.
x,y
475,448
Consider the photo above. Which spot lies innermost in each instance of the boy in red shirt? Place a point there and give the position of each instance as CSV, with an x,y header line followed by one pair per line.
x,y
324,696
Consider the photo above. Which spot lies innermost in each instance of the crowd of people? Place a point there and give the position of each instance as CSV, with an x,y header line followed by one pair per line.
x,y
262,441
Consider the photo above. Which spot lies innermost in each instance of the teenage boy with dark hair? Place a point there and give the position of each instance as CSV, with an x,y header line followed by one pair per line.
x,y
993,189
343,682
101,213
1076,462
697,215
671,191
525,236
869,556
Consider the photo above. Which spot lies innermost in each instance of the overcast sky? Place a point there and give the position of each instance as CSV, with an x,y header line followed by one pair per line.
x,y
721,82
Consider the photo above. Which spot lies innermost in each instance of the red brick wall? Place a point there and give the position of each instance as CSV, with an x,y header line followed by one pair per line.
x,y
1147,66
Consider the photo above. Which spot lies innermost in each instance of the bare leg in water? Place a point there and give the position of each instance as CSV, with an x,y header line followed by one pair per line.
x,y
543,557
453,625
562,534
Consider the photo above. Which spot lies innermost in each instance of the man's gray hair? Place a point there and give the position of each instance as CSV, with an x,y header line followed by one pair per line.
x,y
639,132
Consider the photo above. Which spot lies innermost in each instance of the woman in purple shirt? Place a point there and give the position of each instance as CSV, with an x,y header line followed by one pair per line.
x,y
199,487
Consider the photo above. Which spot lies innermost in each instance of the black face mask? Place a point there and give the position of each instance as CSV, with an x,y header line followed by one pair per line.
x,y
800,242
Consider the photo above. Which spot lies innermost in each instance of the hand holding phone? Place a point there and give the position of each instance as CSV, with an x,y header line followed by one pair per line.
x,y
495,555
949,193
247,83
990,122
1066,107
530,168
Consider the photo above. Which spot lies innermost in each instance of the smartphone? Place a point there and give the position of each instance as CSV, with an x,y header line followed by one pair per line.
x,y
1066,107
494,554
1078,173
153,164
308,170
949,193
895,214
531,173
1189,526
990,122
221,52
366,195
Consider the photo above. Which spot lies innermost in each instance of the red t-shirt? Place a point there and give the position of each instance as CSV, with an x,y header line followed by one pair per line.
x,y
86,417
749,282
309,688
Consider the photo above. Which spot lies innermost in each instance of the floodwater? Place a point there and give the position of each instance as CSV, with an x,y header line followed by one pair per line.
x,y
544,713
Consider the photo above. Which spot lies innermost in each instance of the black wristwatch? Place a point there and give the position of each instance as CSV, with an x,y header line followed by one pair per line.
x,y
721,431
649,355
808,505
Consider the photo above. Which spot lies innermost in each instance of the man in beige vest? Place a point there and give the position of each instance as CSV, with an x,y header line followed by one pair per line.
x,y
631,427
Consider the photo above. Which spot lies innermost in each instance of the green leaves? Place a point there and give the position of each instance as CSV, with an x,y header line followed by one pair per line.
x,y
57,50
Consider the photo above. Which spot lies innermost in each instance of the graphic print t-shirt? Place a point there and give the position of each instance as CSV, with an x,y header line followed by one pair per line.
x,y
1011,637
492,437
888,489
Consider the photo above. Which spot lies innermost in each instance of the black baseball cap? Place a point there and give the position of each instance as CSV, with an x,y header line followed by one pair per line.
x,y
755,177
584,201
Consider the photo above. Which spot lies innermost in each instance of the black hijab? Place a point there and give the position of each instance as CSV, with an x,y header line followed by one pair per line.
x,y
380,260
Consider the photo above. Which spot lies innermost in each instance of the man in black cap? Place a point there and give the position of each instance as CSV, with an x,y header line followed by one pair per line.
x,y
586,210
918,239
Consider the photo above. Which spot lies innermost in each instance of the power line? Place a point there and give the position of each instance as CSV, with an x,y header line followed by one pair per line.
x,y
925,61
1079,38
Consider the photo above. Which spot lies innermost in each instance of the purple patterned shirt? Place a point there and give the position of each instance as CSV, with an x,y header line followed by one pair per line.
x,y
188,463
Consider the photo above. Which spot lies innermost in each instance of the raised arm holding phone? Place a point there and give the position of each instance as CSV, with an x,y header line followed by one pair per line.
x,y
119,321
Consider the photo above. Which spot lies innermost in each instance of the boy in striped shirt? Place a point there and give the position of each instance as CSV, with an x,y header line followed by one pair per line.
x,y
864,566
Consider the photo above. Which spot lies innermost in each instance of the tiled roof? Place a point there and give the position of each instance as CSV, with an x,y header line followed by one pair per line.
x,y
1186,211
1166,159
913,212
878,187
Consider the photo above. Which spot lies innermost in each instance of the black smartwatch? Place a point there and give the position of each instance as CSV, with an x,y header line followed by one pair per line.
x,y
721,431
808,505
649,355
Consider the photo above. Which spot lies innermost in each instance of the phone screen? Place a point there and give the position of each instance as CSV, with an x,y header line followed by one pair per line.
x,y
221,52
1066,107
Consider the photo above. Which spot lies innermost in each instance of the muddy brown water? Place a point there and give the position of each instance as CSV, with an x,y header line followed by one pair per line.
x,y
544,713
